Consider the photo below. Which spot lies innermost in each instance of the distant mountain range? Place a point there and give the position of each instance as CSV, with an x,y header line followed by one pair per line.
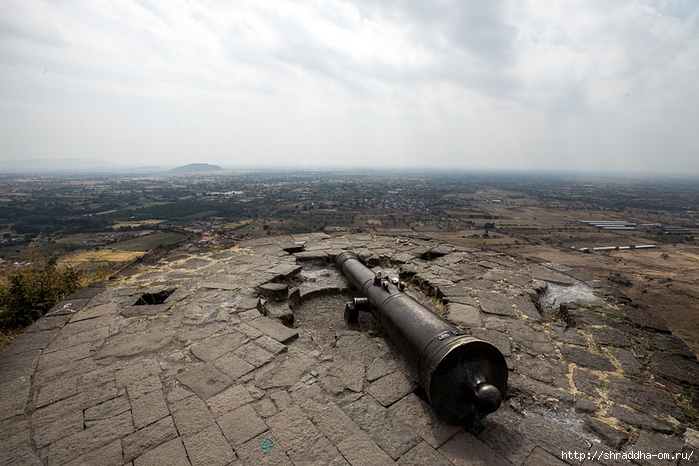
x,y
195,168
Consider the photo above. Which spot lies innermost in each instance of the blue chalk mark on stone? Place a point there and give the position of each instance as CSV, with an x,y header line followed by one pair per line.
x,y
266,444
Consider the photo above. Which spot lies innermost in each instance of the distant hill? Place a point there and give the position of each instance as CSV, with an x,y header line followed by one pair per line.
x,y
195,168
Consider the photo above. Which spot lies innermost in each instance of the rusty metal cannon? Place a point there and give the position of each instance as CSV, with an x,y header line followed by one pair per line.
x,y
462,376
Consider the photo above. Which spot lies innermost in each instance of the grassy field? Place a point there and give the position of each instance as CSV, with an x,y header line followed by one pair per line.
x,y
148,242
140,223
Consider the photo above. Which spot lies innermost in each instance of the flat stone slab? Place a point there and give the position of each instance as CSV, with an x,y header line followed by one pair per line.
x,y
539,272
496,303
274,291
273,329
205,380
585,358
132,345
464,315
676,367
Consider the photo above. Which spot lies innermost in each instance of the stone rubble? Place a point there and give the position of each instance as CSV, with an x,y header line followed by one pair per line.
x,y
189,362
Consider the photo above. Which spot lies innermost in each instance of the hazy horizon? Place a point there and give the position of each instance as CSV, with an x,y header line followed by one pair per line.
x,y
609,87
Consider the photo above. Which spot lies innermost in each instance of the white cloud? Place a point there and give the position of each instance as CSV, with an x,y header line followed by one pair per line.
x,y
509,84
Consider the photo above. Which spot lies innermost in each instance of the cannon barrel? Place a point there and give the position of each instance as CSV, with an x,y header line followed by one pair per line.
x,y
462,376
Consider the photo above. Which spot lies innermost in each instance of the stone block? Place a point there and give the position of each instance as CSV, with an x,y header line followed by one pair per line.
x,y
652,444
108,455
391,388
610,435
496,338
675,367
525,305
241,424
90,439
251,453
643,398
673,344
586,382
191,416
646,319
423,454
626,359
102,310
213,348
422,420
274,329
144,440
392,435
540,272
502,438
205,380
641,420
233,366
148,408
463,449
137,370
67,425
531,338
291,428
109,408
171,453
540,457
209,448
274,291
551,436
270,344
316,452
464,315
132,345
609,337
254,354
361,450
285,371
587,359
228,400
144,386
496,303
560,332
351,373
265,408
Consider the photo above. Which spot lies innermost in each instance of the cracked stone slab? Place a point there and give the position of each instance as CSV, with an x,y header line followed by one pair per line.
x,y
133,345
392,435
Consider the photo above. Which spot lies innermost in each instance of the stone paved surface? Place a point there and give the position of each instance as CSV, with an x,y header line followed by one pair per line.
x,y
208,373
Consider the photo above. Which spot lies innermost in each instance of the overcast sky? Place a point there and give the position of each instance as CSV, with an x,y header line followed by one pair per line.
x,y
539,85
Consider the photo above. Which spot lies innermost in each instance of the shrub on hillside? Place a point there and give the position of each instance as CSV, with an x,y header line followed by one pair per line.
x,y
29,292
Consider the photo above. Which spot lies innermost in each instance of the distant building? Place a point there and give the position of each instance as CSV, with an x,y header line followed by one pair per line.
x,y
611,224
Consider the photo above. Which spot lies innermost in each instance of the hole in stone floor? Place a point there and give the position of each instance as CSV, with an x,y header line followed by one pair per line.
x,y
150,299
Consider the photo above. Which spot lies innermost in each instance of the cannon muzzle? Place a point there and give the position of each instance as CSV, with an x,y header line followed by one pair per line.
x,y
462,376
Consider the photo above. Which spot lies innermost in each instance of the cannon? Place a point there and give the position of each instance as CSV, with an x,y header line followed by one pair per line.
x,y
463,377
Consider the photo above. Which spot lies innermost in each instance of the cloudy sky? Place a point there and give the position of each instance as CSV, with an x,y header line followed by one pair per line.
x,y
521,84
